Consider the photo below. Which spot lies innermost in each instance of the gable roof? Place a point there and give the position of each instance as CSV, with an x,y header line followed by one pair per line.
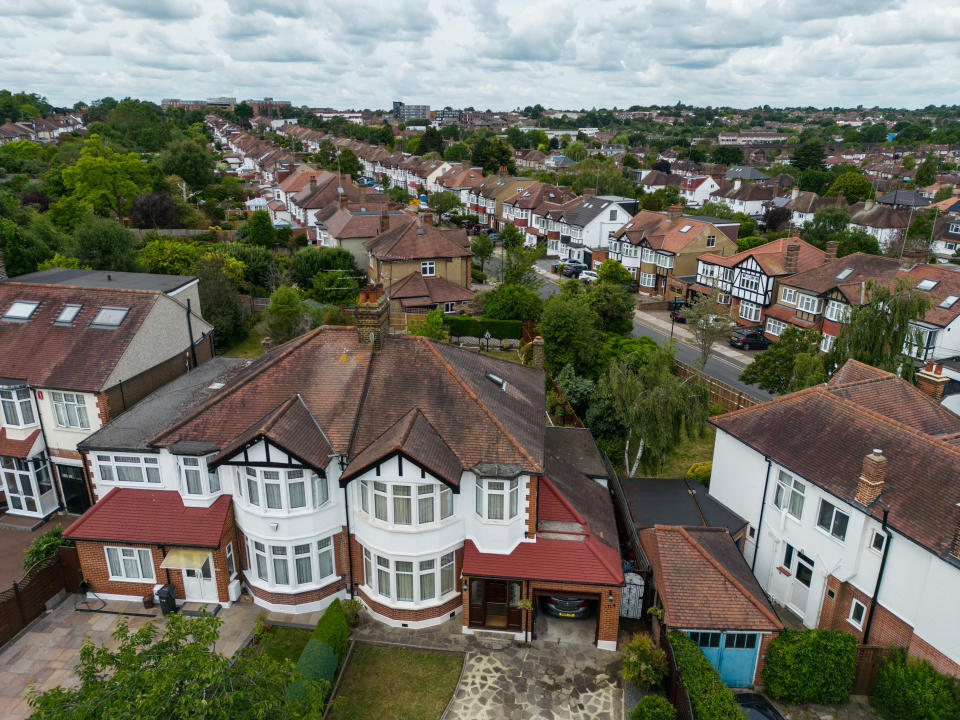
x,y
772,256
344,225
412,239
414,290
662,233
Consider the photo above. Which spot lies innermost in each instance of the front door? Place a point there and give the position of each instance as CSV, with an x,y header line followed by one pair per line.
x,y
74,489
476,602
199,585
496,604
800,591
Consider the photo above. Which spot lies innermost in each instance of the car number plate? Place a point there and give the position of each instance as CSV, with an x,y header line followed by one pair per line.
x,y
562,614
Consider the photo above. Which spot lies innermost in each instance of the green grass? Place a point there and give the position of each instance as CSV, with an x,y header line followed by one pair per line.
x,y
250,347
389,683
687,453
284,642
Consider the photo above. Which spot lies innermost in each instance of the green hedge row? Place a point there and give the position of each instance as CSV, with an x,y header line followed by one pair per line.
x,y
654,707
908,689
332,629
466,326
318,662
811,666
709,697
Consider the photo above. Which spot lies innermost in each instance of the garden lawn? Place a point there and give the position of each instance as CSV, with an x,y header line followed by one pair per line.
x,y
687,453
250,347
284,642
391,683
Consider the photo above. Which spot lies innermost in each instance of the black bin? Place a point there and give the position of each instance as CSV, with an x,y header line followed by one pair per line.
x,y
168,603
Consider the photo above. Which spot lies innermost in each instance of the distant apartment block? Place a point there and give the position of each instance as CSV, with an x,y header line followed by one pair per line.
x,y
403,112
225,102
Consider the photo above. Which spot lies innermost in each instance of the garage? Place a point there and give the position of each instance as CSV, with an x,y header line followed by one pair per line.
x,y
566,618
733,654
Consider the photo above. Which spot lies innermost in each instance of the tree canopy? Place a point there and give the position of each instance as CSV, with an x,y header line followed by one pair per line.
x,y
792,363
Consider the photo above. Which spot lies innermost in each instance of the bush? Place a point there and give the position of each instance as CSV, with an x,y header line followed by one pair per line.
x,y
351,611
466,326
811,666
908,689
332,629
318,663
478,276
710,698
643,662
701,472
654,707
43,547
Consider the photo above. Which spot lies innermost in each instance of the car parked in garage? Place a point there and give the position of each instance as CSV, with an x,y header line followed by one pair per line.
x,y
749,339
566,607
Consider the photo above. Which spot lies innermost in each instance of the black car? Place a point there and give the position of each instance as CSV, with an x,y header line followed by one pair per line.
x,y
566,607
573,268
749,339
757,707
678,311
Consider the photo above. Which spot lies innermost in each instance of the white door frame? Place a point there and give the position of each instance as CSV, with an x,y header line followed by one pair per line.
x,y
196,587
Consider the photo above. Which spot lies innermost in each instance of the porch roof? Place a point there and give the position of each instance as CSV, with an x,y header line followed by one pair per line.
x,y
586,561
17,448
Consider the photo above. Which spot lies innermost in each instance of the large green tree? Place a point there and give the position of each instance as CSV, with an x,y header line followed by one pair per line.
x,y
310,261
482,248
102,244
218,298
443,202
613,273
285,314
926,172
707,325
512,302
188,160
108,181
569,330
809,154
334,287
854,186
832,224
793,362
260,230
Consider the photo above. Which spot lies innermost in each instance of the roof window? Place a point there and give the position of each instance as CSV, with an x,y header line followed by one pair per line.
x,y
948,302
686,228
68,314
21,310
844,274
927,284
110,316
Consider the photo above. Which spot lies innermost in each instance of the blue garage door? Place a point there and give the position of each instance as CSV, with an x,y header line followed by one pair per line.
x,y
733,654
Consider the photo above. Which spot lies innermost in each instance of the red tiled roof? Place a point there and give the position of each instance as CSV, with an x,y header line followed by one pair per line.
x,y
585,561
787,315
417,291
17,448
151,517
412,240
553,507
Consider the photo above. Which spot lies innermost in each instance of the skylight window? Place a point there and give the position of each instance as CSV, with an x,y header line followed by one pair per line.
x,y
844,274
948,302
110,316
68,314
21,310
686,228
927,284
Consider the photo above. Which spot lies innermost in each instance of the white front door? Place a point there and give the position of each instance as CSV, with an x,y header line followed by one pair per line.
x,y
800,591
200,585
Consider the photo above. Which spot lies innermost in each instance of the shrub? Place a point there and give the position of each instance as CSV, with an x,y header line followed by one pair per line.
x,y
805,666
466,326
478,276
43,547
654,707
351,611
701,472
318,663
332,629
710,698
908,689
643,662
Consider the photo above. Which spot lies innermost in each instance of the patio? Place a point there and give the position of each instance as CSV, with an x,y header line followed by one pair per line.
x,y
15,538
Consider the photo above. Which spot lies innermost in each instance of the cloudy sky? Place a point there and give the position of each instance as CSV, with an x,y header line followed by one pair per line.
x,y
561,53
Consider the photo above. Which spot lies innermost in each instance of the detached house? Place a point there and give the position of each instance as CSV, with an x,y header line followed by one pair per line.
x,y
696,190
749,198
885,222
850,489
80,347
409,474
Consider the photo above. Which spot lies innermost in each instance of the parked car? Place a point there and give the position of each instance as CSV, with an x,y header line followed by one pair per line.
x,y
757,707
566,607
750,339
678,311
589,276
572,268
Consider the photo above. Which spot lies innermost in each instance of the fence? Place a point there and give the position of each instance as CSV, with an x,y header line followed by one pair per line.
x,y
869,658
26,600
676,691
726,396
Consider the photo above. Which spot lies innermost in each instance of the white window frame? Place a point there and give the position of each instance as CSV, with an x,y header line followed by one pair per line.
x,y
664,261
827,342
750,311
788,295
449,308
70,409
711,241
775,327
723,298
194,469
809,304
648,279
873,540
316,489
837,311
141,557
441,504
320,550
750,282
789,495
428,268
16,403
110,467
851,616
509,495
381,573
231,561
830,528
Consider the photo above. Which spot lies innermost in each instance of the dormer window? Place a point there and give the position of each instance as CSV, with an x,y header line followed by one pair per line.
x,y
21,310
198,479
68,314
497,499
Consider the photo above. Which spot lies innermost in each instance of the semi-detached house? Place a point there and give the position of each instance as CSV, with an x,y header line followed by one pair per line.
x,y
410,474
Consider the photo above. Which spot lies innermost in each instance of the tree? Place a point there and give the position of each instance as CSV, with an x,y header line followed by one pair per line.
x,y
517,267
398,195
706,325
285,314
792,363
154,210
21,251
511,237
614,307
512,302
188,160
443,202
431,141
431,326
308,262
482,248
613,273
578,390
102,244
809,154
569,330
349,163
927,172
335,287
491,154
726,155
576,151
831,224
630,161
176,673
260,230
776,219
456,152
106,180
218,297
944,193
854,186
168,257
662,165
243,112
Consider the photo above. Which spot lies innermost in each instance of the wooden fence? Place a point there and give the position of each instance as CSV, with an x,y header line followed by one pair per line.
x,y
869,659
27,599
726,396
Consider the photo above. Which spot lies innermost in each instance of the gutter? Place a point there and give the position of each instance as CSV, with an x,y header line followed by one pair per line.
x,y
883,565
763,505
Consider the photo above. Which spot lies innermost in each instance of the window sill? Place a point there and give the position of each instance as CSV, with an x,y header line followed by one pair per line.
x,y
72,429
407,604
391,527
256,582
853,624
830,535
281,513
485,521
142,581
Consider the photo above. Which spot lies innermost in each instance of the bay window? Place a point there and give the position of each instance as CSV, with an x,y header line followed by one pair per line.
x,y
128,469
649,256
750,311
497,499
827,342
285,490
130,564
408,505
809,304
307,563
647,279
788,295
410,580
17,408
428,579
837,311
775,327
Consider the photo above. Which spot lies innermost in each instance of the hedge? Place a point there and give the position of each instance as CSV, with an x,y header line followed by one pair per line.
x,y
654,707
909,689
811,666
318,663
332,629
466,326
709,697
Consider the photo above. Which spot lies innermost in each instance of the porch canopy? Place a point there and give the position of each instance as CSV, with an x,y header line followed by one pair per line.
x,y
185,559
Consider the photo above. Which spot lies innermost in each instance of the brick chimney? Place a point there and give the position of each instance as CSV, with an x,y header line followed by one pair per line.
x,y
373,315
736,184
536,352
502,171
589,191
792,260
872,477
868,204
674,211
426,219
266,345
385,218
343,201
931,381
3,267
831,251
313,182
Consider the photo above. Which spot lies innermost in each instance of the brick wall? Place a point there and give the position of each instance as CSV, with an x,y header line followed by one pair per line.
x,y
532,486
298,598
762,657
922,649
93,561
410,615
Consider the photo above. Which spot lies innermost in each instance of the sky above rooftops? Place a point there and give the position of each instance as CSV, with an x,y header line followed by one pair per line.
x,y
488,54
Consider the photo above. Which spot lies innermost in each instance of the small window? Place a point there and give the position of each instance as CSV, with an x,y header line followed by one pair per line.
x,y
449,307
110,316
68,314
948,302
428,268
686,228
857,611
832,520
711,241
878,541
21,310
844,274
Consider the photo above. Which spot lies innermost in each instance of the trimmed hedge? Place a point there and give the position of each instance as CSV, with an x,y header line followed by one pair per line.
x,y
318,663
332,629
654,707
811,666
466,326
909,689
709,697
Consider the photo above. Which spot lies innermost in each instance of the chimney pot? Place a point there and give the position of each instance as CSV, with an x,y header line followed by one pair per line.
x,y
872,477
931,381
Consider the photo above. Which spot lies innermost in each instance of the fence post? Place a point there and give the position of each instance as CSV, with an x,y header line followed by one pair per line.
x,y
16,596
